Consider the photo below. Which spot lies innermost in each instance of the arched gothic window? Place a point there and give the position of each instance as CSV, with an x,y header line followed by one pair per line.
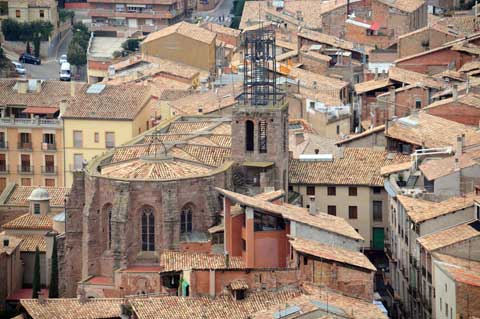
x,y
249,135
148,229
186,219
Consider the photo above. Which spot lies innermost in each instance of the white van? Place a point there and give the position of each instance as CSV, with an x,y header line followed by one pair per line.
x,y
65,72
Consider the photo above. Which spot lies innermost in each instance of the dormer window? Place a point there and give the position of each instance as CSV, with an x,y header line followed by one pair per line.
x,y
36,209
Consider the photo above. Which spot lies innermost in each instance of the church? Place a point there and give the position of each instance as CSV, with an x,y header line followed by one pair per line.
x,y
158,192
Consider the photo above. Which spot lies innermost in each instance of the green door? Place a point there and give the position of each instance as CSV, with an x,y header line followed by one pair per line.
x,y
378,238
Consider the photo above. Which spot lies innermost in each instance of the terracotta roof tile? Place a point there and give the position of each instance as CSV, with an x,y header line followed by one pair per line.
x,y
117,102
19,195
431,131
461,274
411,77
472,100
449,236
330,40
420,210
323,221
359,166
72,308
178,261
238,285
371,85
404,5
220,307
393,168
437,167
30,221
31,242
353,137
338,254
186,29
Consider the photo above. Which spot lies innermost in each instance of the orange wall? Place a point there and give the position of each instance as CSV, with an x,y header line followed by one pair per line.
x,y
270,248
205,247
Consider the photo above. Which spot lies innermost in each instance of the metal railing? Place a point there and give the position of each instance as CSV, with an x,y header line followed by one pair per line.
x,y
49,170
49,146
3,145
11,121
25,169
25,146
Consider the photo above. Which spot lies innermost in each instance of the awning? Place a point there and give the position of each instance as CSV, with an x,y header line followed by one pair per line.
x,y
40,110
375,26
257,164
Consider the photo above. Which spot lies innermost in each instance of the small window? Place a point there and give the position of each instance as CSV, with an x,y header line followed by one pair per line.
x,y
445,287
352,212
311,190
377,210
305,260
26,182
77,139
332,191
36,209
42,13
244,245
332,210
352,191
446,309
312,105
418,104
17,13
249,136
96,137
109,140
50,182
377,190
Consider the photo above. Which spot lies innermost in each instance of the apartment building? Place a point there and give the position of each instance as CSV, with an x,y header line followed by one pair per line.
x,y
348,185
31,132
123,18
29,10
101,117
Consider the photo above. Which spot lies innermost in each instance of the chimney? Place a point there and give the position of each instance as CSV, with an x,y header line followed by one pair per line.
x,y
391,102
203,85
341,151
459,149
299,138
376,74
227,260
22,86
455,92
312,210
6,242
63,106
39,86
72,89
456,166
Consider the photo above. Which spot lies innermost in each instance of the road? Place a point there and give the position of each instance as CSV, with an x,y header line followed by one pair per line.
x,y
49,69
222,10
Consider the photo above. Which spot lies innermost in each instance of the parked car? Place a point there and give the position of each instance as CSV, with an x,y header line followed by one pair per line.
x,y
63,59
19,68
65,72
28,58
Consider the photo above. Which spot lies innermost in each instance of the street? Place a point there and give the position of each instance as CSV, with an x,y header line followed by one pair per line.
x,y
49,69
222,10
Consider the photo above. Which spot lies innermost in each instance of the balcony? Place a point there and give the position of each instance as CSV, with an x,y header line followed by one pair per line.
x,y
35,122
24,146
49,146
3,168
145,14
153,2
25,169
49,170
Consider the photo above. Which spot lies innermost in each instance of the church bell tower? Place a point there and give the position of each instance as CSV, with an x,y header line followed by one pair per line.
x,y
260,120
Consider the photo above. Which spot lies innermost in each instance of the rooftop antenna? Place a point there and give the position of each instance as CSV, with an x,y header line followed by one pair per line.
x,y
152,145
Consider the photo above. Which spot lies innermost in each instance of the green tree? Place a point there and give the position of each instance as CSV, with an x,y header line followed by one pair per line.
x,y
131,45
76,54
53,287
36,275
65,15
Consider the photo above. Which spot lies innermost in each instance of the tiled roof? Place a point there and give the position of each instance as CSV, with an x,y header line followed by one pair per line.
x,y
372,85
463,23
460,274
420,210
470,66
358,166
323,221
333,253
186,29
206,102
449,236
182,127
313,80
461,262
19,195
114,102
404,5
438,167
393,168
353,137
31,242
271,196
51,94
238,284
13,243
431,131
471,99
95,308
324,299
30,221
330,40
178,261
411,77
220,307
220,29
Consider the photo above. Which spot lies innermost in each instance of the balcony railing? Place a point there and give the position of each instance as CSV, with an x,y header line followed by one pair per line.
x,y
24,146
19,122
49,170
146,14
25,169
3,145
49,147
